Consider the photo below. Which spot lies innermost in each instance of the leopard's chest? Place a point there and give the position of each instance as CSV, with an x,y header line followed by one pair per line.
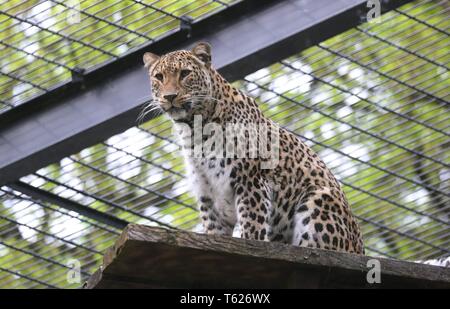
x,y
211,178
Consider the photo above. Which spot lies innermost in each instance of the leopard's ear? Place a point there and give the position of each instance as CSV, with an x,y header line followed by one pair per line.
x,y
149,59
202,51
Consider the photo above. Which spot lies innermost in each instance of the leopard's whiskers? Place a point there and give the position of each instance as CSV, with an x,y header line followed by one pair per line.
x,y
151,106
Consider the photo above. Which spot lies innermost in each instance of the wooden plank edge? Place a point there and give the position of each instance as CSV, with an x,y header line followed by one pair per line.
x,y
284,252
258,249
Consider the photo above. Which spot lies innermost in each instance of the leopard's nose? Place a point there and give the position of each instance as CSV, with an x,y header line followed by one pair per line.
x,y
170,97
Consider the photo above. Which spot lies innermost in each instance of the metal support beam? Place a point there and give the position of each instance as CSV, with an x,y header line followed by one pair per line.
x,y
105,101
49,197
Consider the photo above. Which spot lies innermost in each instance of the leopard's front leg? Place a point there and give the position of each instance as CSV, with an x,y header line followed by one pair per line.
x,y
211,214
212,221
254,209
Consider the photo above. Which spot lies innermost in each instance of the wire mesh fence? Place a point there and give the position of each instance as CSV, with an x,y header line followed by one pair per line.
x,y
44,42
372,102
37,238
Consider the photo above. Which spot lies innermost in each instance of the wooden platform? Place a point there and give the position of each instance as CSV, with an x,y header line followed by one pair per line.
x,y
149,257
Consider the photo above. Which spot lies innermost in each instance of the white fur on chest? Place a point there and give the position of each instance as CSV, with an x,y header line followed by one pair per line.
x,y
213,181
207,178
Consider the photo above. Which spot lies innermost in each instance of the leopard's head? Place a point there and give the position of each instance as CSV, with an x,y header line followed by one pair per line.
x,y
181,81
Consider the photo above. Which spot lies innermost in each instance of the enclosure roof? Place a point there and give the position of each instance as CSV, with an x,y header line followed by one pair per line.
x,y
372,101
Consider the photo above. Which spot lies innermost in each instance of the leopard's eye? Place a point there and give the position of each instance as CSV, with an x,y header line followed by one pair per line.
x,y
184,73
159,77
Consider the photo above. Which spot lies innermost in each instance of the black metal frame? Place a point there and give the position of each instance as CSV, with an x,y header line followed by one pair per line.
x,y
88,212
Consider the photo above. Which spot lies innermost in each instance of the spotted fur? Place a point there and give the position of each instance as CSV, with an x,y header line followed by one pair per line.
x,y
298,202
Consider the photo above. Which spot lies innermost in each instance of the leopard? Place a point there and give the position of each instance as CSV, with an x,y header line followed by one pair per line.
x,y
297,201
